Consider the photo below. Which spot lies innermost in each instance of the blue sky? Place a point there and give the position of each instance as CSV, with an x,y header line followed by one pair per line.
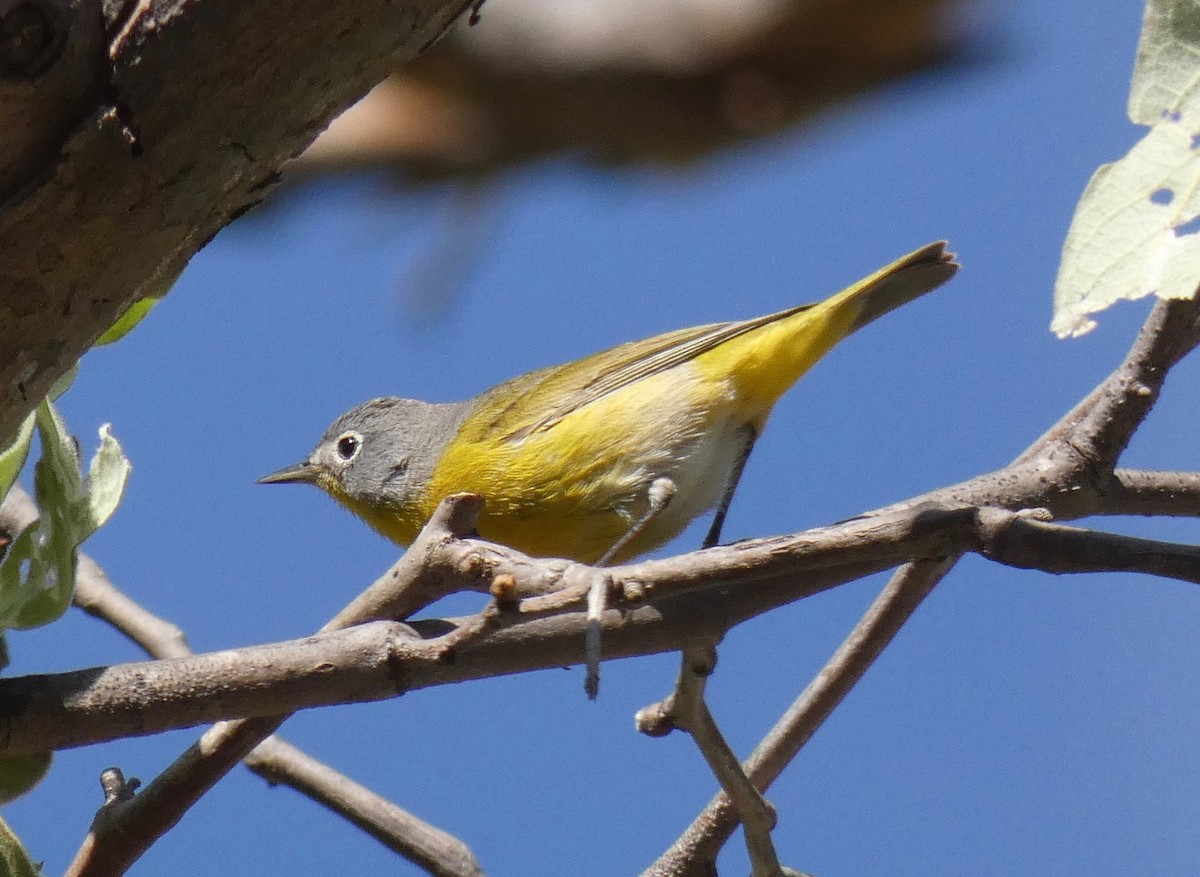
x,y
1020,723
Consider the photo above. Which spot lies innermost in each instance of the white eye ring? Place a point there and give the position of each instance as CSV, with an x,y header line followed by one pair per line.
x,y
348,445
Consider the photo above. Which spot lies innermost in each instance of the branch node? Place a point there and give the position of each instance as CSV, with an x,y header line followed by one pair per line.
x,y
633,592
468,632
457,515
657,719
504,590
702,660
117,789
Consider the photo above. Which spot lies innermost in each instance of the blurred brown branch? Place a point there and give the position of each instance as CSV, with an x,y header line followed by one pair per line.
x,y
664,82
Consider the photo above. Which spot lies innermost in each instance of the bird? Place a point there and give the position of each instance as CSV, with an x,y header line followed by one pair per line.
x,y
607,457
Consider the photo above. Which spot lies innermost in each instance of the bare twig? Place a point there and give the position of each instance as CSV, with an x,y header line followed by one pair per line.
x,y
87,706
116,842
1141,492
1070,472
697,848
439,853
693,601
413,582
277,761
1069,469
116,788
1097,430
687,710
100,598
1020,540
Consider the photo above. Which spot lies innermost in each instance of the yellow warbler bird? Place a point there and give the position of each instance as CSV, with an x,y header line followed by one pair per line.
x,y
609,456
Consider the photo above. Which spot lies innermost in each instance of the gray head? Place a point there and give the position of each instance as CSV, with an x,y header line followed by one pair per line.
x,y
380,453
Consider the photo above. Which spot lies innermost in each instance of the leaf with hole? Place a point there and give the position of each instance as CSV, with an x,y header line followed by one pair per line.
x,y
1136,230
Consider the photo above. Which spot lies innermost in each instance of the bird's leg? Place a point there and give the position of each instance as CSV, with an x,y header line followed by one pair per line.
x,y
660,494
749,437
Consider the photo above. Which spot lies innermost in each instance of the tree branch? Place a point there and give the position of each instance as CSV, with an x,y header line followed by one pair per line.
x,y
1097,430
383,659
666,604
1024,542
686,709
274,760
696,850
1141,492
113,161
121,833
439,853
1070,471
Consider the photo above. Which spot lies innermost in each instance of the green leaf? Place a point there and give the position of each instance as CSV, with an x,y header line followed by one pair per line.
x,y
14,571
1164,76
125,323
1136,230
60,454
37,575
107,475
58,491
14,861
12,458
20,773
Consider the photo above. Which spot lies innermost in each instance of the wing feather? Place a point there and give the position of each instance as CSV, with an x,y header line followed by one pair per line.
x,y
543,398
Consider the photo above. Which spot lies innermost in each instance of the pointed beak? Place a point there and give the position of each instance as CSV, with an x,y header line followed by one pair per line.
x,y
301,473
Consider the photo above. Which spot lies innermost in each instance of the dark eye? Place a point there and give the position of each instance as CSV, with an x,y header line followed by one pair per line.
x,y
347,447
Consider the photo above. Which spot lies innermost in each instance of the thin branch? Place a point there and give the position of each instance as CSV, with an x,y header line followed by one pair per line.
x,y
1020,540
101,599
278,762
414,581
82,707
1063,472
383,659
439,853
275,760
1142,492
119,839
191,775
686,709
1099,428
697,848
692,599
1069,471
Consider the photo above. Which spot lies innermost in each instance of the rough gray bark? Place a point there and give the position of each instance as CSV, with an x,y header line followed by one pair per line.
x,y
135,132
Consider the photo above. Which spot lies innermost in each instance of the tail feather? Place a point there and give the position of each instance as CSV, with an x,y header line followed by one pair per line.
x,y
764,357
899,283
